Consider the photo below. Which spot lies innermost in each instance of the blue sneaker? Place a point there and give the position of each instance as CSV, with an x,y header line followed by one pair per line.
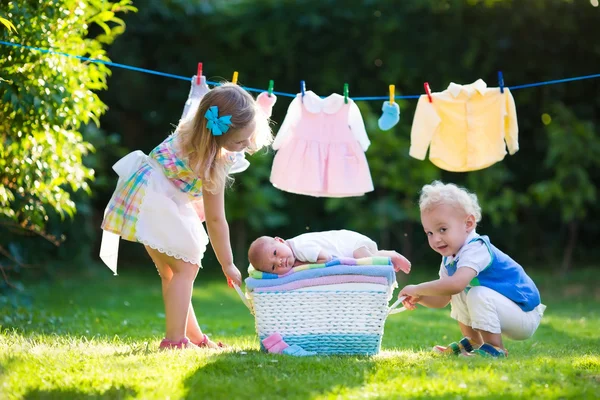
x,y
487,350
463,347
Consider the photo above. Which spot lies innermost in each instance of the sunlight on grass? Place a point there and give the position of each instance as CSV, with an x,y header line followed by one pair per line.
x,y
100,339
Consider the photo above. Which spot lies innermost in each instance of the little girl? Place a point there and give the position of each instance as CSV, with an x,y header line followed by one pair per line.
x,y
490,293
161,199
278,256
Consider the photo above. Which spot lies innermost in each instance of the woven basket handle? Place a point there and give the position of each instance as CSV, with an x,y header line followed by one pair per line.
x,y
243,297
393,308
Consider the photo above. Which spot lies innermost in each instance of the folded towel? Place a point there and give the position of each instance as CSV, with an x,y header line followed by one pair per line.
x,y
297,351
336,261
386,271
325,280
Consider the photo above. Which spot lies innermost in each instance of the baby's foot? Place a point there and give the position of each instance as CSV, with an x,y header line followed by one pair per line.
x,y
400,263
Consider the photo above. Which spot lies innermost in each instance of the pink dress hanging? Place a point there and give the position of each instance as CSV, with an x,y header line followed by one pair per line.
x,y
321,148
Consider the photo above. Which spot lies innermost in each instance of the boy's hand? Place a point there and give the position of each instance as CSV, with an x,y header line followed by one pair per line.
x,y
409,290
411,302
233,274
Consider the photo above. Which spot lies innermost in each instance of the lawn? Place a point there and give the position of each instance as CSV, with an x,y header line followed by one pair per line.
x,y
97,337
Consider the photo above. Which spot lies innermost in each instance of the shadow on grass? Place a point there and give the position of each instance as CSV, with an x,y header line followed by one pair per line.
x,y
61,394
257,375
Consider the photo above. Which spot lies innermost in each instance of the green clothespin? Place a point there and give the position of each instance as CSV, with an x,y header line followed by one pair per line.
x,y
345,93
271,84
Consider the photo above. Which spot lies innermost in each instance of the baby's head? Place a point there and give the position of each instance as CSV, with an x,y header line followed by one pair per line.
x,y
271,254
228,119
448,214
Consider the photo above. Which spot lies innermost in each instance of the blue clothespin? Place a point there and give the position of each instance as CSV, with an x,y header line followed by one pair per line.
x,y
501,81
302,88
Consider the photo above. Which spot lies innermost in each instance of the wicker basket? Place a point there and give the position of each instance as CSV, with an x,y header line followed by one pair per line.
x,y
328,319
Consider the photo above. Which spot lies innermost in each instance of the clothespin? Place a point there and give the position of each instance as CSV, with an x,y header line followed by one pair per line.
x,y
345,93
428,91
271,84
235,77
392,90
501,81
199,74
302,89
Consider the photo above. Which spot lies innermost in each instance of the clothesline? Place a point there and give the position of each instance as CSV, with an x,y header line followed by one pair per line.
x,y
284,94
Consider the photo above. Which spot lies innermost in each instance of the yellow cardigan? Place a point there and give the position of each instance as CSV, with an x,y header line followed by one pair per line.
x,y
465,127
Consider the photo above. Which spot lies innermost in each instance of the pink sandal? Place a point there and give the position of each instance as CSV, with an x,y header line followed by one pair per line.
x,y
166,344
204,342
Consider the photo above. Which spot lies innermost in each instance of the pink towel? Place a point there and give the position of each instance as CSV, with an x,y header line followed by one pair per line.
x,y
325,280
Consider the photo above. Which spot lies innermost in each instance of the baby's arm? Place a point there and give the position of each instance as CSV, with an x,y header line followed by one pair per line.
x,y
399,262
362,252
323,257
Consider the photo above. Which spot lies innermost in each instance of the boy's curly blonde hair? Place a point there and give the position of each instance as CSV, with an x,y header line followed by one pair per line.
x,y
438,193
203,151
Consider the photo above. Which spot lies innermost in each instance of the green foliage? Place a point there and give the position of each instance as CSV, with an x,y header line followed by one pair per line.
x,y
9,25
369,45
573,152
45,100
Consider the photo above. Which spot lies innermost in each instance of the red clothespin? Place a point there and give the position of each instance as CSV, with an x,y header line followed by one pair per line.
x,y
199,74
428,91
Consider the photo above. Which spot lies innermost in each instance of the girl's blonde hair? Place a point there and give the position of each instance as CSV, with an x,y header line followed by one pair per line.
x,y
438,193
203,151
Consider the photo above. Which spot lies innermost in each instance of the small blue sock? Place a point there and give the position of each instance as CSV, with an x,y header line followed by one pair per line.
x,y
390,116
297,351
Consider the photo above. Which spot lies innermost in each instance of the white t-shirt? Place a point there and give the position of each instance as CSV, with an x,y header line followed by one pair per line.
x,y
342,243
473,255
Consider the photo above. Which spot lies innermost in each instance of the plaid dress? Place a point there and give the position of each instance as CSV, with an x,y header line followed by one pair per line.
x,y
158,202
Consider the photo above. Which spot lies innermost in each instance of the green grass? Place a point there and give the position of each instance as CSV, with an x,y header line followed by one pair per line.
x,y
97,337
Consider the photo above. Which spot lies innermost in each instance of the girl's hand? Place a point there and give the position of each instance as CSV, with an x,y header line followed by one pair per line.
x,y
233,274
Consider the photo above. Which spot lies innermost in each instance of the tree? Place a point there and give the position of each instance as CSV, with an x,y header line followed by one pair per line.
x,y
573,151
45,100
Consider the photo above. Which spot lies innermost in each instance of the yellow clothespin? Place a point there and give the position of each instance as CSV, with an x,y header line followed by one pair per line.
x,y
392,90
235,77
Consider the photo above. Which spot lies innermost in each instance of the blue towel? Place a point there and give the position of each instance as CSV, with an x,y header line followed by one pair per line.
x,y
297,351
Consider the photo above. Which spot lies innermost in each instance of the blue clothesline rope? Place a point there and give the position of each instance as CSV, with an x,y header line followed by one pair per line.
x,y
284,94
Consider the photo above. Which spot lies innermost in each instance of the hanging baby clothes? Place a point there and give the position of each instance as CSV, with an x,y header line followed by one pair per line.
x,y
197,91
465,127
321,147
266,102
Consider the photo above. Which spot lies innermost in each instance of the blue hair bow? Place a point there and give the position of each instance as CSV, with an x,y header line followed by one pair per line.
x,y
217,125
